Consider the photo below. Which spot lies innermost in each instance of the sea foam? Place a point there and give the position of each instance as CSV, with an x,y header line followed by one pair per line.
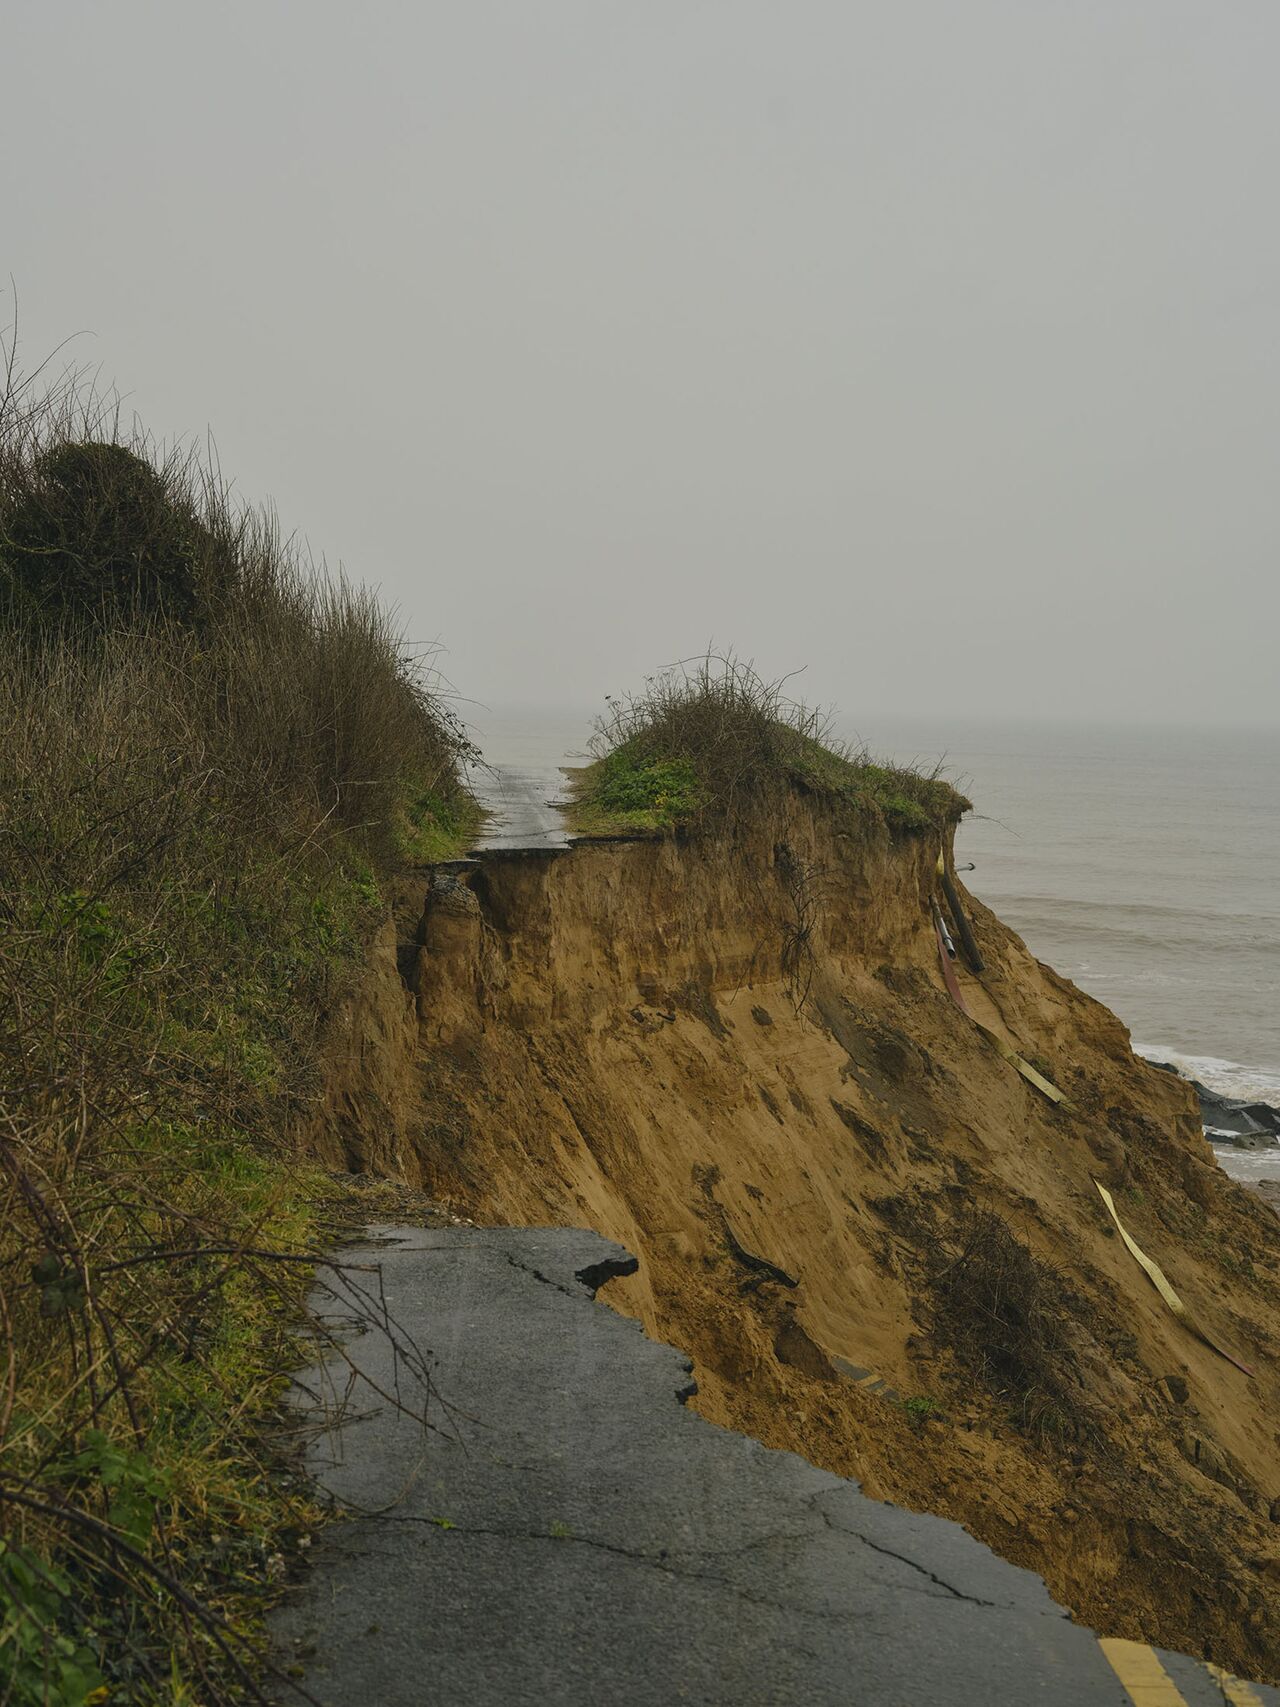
x,y
1228,1078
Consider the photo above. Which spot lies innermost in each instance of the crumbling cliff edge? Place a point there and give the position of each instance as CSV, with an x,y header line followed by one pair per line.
x,y
881,1244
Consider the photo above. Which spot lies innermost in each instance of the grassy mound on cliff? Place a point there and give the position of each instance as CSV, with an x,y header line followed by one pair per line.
x,y
708,739
209,757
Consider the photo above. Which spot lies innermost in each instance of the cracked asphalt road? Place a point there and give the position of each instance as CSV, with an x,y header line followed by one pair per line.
x,y
569,1533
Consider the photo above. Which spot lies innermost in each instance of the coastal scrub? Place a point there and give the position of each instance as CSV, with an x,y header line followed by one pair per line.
x,y
211,757
708,739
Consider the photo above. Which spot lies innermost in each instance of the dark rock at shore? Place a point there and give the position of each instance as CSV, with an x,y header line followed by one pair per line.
x,y
1266,1116
1232,1120
1225,1114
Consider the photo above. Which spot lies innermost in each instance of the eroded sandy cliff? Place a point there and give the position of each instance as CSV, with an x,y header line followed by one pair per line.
x,y
716,1051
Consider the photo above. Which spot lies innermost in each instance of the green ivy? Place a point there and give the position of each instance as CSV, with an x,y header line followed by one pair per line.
x,y
41,1664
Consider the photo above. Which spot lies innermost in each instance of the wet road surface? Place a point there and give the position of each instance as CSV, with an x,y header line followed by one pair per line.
x,y
518,801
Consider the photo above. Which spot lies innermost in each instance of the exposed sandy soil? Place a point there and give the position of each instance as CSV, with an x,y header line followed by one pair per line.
x,y
640,1039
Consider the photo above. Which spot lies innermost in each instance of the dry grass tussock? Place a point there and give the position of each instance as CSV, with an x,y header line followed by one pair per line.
x,y
710,739
208,756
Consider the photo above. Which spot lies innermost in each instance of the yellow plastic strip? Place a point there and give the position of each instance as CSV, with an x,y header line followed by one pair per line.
x,y
1156,1275
1038,1080
1146,1682
1234,1689
1154,1272
1024,1067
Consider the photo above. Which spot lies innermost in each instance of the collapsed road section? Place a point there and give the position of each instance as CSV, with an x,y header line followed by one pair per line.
x,y
519,810
542,1520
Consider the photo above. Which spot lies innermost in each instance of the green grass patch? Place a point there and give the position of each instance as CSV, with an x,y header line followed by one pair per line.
x,y
437,826
922,1409
623,794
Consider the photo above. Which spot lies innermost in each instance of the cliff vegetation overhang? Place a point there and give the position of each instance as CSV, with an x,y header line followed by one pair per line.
x,y
710,740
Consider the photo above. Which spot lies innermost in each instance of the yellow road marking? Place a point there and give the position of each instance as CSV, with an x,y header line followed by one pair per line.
x,y
1146,1682
1237,1693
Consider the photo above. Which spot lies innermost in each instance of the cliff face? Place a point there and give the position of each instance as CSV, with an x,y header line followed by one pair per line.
x,y
729,1054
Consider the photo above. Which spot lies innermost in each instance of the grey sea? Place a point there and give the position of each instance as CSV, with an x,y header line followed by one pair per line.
x,y
1142,863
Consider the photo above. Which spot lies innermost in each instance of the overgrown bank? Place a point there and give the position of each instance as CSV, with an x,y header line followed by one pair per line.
x,y
710,741
211,757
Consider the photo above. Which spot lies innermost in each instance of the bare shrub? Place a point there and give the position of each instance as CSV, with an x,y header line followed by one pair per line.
x,y
807,890
92,536
1002,1312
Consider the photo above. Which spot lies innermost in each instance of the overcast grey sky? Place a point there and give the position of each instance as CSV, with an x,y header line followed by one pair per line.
x,y
932,344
